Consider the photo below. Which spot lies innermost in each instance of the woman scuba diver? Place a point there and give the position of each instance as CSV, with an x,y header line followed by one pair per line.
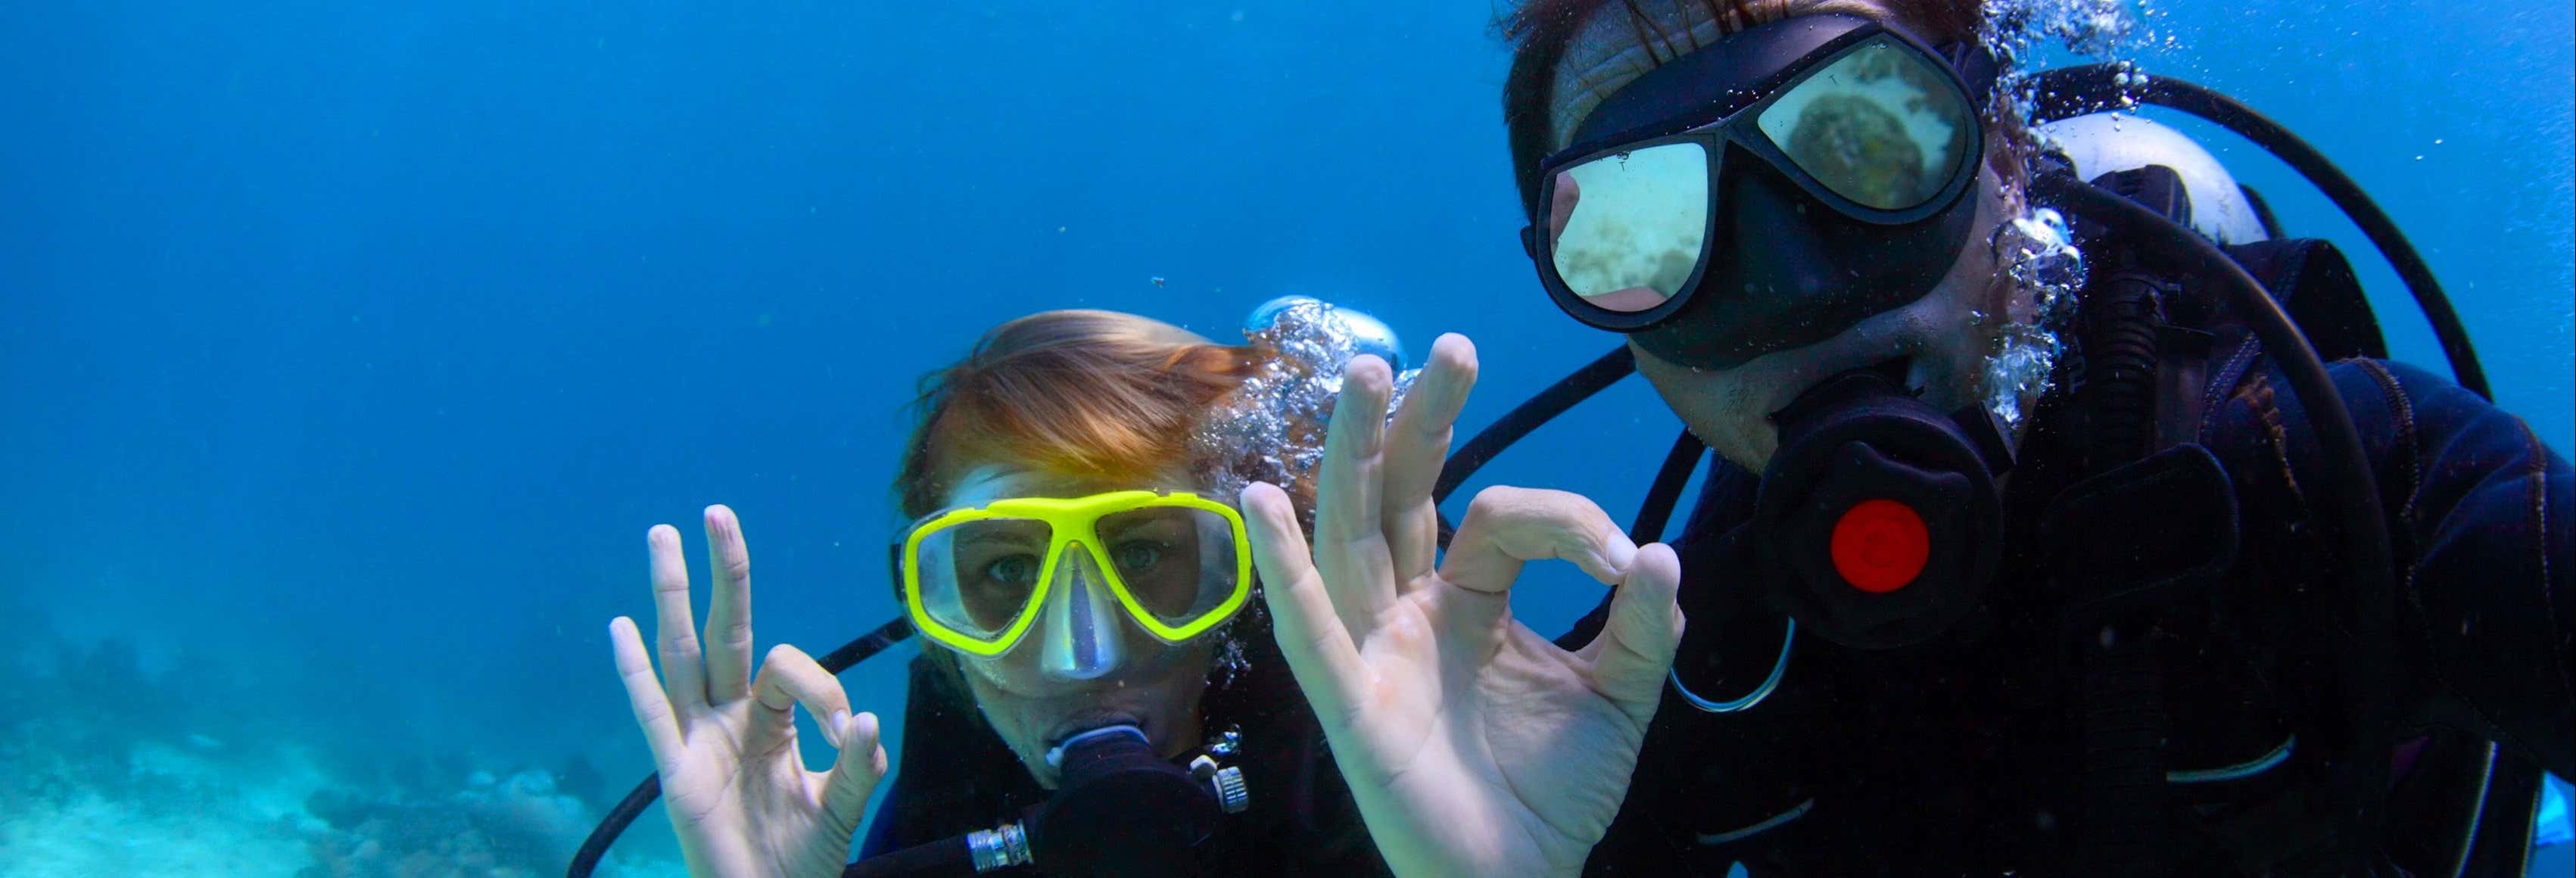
x,y
1080,574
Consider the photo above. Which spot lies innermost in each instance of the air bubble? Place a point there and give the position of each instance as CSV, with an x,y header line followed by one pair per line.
x,y
2038,254
1272,428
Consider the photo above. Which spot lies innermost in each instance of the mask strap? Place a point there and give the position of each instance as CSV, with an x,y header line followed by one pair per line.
x,y
1978,68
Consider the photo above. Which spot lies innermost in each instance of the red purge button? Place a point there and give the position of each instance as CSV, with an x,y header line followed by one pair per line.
x,y
1879,546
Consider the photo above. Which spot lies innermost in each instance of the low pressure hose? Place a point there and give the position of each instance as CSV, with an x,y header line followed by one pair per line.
x,y
2075,91
1555,400
945,858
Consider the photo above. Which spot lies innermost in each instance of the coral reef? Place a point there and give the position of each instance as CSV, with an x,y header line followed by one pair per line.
x,y
110,767
515,826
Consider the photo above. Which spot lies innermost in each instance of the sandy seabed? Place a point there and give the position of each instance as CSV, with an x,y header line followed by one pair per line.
x,y
194,809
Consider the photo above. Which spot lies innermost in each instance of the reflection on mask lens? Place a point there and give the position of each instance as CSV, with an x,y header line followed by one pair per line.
x,y
1178,562
976,577
1629,226
1880,126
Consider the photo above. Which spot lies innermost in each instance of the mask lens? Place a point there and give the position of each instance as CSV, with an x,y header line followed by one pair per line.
x,y
1629,226
976,576
1179,563
1882,126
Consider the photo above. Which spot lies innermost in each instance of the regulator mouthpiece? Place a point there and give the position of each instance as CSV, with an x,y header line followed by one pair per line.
x,y
1122,810
1878,521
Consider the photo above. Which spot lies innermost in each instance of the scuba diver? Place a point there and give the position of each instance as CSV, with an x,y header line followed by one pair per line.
x,y
1091,700
2042,538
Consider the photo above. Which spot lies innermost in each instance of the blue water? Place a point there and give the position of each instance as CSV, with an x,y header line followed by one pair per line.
x,y
348,349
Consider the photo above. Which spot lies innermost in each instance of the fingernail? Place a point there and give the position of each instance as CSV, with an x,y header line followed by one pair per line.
x,y
1621,554
840,727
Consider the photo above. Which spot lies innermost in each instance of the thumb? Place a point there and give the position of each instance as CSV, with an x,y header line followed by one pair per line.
x,y
1561,208
1634,651
855,774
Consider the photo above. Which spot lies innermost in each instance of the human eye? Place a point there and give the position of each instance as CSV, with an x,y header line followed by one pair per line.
x,y
1138,554
1016,570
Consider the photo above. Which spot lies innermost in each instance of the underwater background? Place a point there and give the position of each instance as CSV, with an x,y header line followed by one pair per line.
x,y
347,350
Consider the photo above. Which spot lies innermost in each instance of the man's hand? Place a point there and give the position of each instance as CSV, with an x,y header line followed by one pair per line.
x,y
1473,745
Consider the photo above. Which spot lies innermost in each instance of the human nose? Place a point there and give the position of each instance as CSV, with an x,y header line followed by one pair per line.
x,y
1080,624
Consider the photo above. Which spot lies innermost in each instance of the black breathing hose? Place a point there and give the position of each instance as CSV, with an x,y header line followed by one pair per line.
x,y
948,856
1549,403
1666,490
614,825
894,631
2362,774
2075,91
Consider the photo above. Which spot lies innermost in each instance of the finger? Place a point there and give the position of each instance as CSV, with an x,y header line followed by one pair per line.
x,y
1506,527
855,774
728,641
1634,650
673,625
1311,636
643,692
1350,547
789,677
1416,447
1560,208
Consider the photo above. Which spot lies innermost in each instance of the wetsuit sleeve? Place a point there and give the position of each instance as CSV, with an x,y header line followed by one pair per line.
x,y
2478,512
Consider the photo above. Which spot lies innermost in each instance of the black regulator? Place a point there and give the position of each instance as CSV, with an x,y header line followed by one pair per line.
x,y
1119,810
1878,521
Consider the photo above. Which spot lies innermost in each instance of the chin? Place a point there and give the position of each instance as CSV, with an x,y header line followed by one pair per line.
x,y
1934,346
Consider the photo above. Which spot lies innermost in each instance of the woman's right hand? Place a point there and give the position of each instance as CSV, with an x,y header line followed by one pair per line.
x,y
733,779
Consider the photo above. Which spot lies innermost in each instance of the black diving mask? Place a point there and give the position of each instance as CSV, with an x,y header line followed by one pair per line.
x,y
1766,192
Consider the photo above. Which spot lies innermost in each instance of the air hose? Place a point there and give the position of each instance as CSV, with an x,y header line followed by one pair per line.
x,y
2362,772
2075,91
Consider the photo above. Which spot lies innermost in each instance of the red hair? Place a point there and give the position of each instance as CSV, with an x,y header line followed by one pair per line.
x,y
1094,393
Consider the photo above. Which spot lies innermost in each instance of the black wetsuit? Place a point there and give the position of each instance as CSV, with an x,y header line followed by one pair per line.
x,y
1962,756
956,776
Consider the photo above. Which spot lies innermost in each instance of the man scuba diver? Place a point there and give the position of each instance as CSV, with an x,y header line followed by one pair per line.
x,y
1995,574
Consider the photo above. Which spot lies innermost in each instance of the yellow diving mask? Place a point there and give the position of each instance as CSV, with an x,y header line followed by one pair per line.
x,y
978,578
